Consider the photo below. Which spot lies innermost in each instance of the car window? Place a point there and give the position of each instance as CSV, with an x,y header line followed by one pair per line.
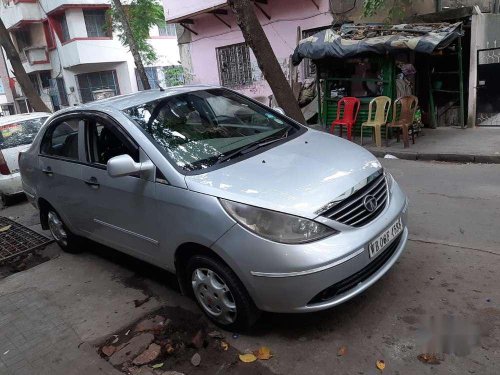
x,y
199,128
106,142
62,140
20,133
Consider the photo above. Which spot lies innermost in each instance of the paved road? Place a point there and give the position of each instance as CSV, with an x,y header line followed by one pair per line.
x,y
448,273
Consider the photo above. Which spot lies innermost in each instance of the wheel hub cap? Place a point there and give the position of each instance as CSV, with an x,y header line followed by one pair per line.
x,y
57,229
214,295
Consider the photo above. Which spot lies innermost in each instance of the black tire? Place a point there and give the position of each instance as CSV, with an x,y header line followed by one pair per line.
x,y
6,200
70,243
246,311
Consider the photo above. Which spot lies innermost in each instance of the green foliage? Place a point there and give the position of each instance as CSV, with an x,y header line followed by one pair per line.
x,y
142,15
174,75
396,12
371,7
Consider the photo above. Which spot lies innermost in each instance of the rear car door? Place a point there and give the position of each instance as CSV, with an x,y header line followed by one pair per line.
x,y
60,169
120,211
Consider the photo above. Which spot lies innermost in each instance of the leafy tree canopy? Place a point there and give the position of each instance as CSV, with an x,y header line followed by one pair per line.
x,y
142,15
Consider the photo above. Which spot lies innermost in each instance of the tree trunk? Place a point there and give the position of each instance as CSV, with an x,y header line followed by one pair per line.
x,y
22,78
129,38
257,40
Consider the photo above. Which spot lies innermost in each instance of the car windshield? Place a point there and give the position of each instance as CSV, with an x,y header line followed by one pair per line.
x,y
20,133
198,129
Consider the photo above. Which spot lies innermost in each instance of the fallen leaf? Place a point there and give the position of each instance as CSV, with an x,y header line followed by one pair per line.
x,y
342,351
169,348
158,365
429,358
381,365
196,360
264,353
224,345
247,358
5,229
108,350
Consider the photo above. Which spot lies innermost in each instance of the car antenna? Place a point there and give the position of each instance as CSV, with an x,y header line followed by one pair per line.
x,y
159,86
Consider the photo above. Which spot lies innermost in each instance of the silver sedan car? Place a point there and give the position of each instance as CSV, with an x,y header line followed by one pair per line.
x,y
251,210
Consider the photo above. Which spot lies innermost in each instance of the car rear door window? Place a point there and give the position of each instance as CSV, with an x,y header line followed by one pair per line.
x,y
62,140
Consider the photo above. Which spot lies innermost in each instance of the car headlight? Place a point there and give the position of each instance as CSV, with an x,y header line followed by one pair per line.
x,y
276,226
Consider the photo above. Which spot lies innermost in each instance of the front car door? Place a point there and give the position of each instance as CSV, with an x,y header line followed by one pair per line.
x,y
60,169
120,211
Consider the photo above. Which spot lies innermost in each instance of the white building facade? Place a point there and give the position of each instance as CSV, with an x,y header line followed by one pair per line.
x,y
71,55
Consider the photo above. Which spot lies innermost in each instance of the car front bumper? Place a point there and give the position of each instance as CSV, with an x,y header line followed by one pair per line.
x,y
287,278
11,184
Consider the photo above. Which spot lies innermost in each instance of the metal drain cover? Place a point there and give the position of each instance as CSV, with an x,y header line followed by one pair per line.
x,y
16,239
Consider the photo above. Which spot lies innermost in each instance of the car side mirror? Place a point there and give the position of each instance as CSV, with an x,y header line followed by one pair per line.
x,y
279,110
124,165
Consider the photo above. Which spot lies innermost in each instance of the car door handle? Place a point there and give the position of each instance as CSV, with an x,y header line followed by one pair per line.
x,y
47,171
92,182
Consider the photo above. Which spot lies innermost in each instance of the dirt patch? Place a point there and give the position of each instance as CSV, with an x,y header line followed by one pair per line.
x,y
181,335
22,262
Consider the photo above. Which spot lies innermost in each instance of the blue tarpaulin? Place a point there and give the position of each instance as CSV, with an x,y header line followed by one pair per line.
x,y
353,40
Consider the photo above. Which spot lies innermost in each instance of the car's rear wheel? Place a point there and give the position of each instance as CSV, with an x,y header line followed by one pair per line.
x,y
220,294
66,240
5,200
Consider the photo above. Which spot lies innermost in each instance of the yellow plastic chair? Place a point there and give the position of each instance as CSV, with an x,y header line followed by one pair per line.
x,y
378,119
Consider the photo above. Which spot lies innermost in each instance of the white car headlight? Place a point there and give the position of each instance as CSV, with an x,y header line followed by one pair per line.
x,y
276,226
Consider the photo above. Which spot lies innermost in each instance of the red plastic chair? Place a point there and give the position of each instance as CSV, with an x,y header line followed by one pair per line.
x,y
349,115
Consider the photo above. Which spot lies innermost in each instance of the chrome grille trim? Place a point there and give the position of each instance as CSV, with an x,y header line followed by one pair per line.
x,y
352,211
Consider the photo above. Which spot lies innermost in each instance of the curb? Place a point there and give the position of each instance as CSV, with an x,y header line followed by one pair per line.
x,y
454,158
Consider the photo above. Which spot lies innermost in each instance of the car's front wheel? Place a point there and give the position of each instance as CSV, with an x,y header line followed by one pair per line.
x,y
220,294
66,240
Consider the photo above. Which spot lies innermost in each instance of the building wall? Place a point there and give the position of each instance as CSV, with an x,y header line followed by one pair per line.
x,y
485,33
281,31
82,54
198,52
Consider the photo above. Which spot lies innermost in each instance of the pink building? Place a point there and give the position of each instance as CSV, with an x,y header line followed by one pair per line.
x,y
212,45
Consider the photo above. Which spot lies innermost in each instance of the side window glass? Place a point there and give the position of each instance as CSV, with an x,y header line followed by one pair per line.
x,y
62,140
106,142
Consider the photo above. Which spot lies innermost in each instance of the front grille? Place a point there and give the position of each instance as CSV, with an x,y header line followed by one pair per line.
x,y
360,276
352,210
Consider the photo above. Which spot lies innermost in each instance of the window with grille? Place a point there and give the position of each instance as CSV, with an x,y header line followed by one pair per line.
x,y
152,74
88,83
23,38
64,29
234,65
167,29
95,22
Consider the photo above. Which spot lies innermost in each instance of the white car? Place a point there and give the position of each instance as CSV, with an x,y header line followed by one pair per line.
x,y
16,134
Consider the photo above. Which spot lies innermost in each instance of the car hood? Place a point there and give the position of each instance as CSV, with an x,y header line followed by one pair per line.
x,y
298,177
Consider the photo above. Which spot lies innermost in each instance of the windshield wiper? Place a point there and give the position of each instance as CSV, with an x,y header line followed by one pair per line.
x,y
248,148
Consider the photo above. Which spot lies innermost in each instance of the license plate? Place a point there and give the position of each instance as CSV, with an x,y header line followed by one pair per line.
x,y
385,238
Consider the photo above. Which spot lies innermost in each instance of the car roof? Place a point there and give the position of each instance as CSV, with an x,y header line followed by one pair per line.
x,y
6,120
122,102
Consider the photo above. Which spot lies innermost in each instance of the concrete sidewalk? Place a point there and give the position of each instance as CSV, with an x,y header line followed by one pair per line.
x,y
477,145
